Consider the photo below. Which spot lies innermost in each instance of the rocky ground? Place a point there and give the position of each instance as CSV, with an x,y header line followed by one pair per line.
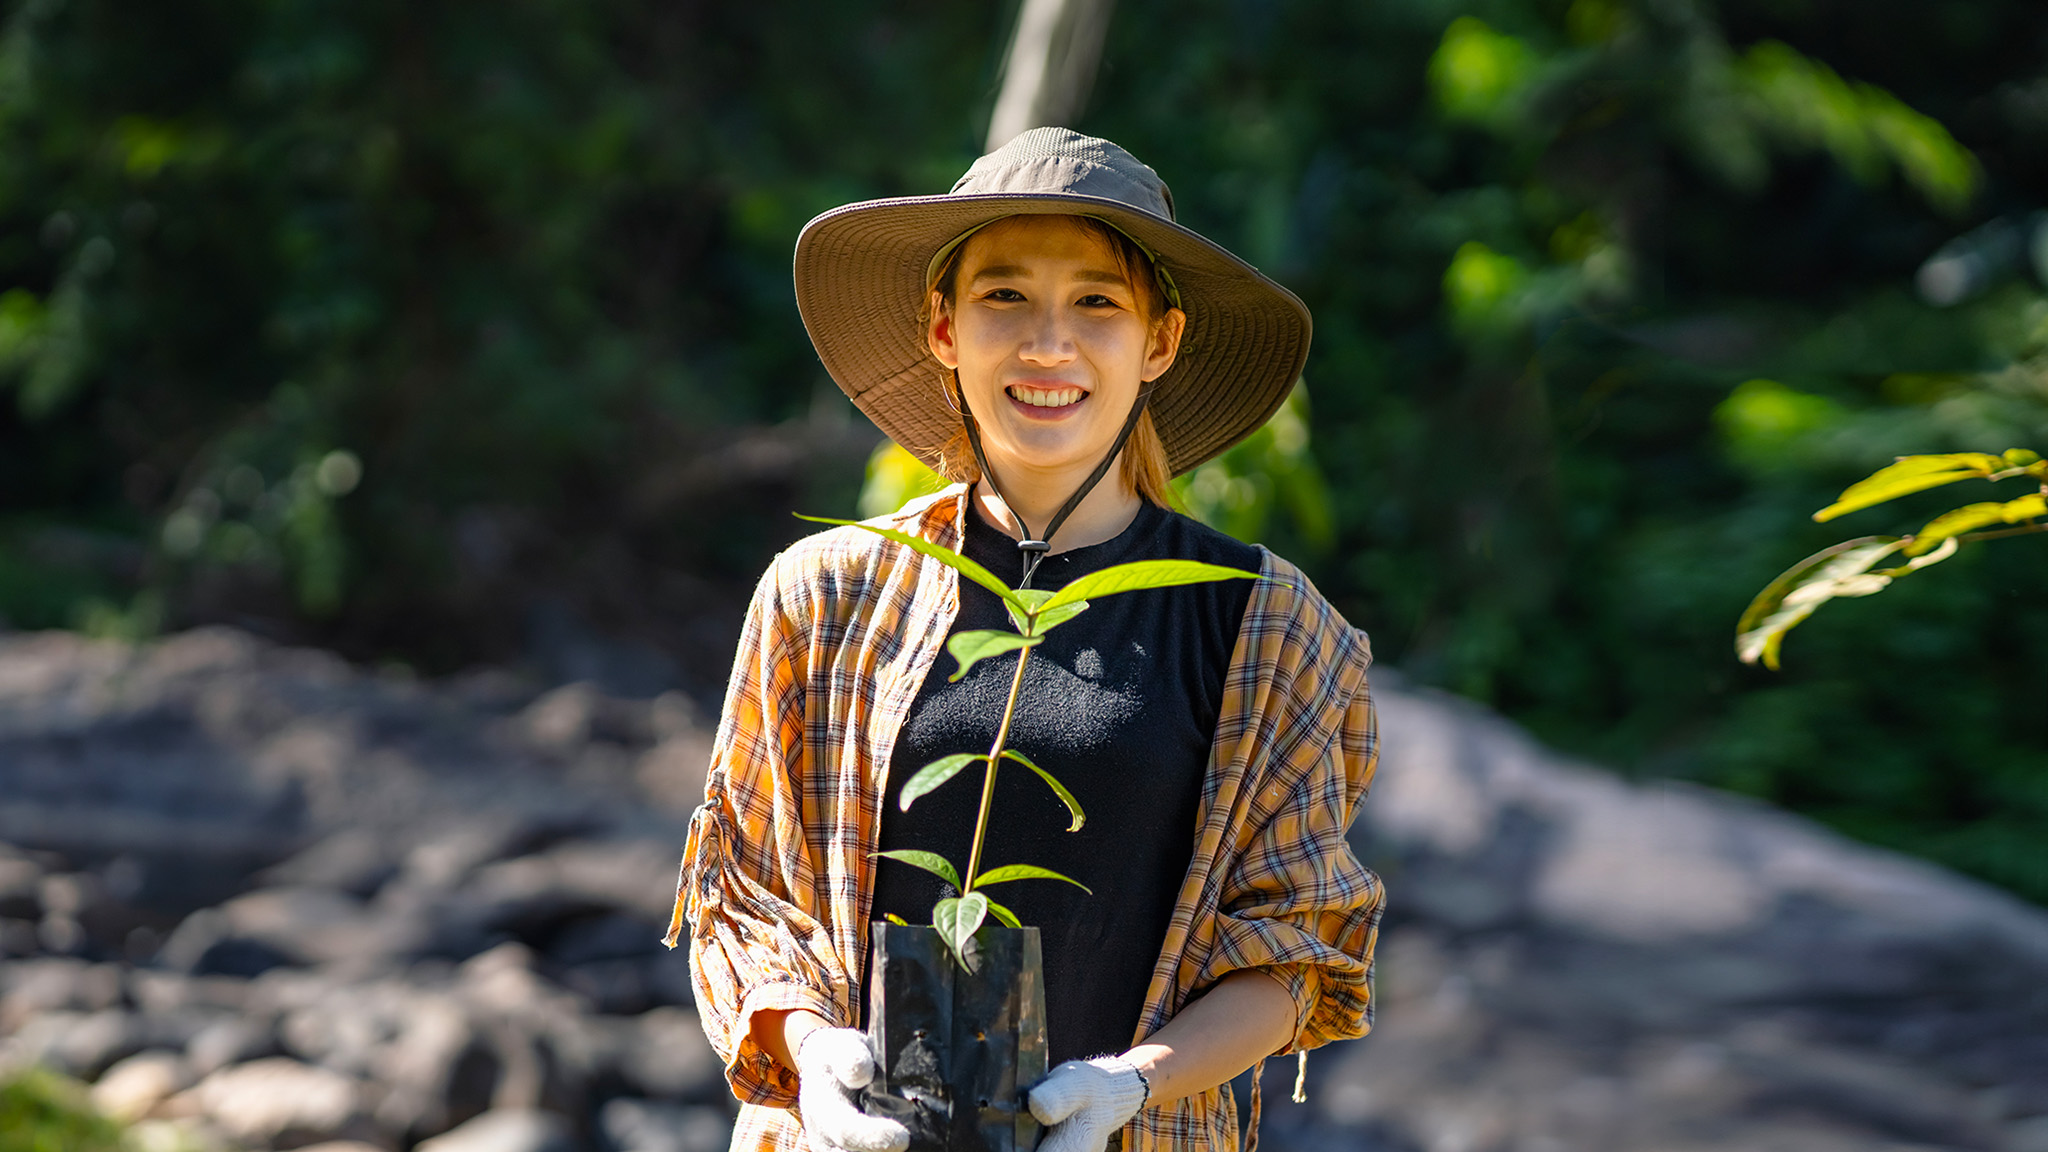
x,y
261,899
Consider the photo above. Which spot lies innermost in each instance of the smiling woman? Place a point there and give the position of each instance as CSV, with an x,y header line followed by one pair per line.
x,y
1052,339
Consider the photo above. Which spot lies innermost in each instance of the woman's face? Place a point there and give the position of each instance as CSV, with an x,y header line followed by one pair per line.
x,y
1051,342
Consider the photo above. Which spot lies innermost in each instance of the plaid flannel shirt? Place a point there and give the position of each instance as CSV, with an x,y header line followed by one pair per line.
x,y
777,878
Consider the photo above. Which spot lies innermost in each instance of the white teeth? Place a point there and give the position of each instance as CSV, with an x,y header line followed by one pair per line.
x,y
1047,397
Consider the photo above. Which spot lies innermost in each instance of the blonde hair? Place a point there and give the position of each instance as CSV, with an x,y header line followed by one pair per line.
x,y
1144,465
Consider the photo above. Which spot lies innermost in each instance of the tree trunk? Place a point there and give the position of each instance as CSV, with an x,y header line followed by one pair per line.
x,y
1051,66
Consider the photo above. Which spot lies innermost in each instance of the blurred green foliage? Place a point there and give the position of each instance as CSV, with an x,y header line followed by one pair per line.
x,y
43,1112
1610,295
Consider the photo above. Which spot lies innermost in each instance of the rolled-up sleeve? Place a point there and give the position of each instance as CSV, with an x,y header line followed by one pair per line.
x,y
1299,904
749,891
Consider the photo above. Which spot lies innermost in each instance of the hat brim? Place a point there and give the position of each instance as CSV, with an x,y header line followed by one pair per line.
x,y
860,281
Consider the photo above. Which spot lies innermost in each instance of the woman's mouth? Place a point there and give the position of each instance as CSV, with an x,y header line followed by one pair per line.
x,y
1050,398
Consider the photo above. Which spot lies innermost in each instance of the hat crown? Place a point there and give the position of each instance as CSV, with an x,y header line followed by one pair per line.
x,y
1060,161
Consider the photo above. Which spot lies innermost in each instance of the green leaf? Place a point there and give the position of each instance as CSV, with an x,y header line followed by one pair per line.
x,y
893,918
1047,619
1912,474
931,862
1009,872
970,648
1027,602
957,919
1843,570
1144,574
934,774
1066,797
1004,914
942,554
1058,614
1971,517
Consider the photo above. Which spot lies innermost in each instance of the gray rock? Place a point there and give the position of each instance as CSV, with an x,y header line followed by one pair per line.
x,y
439,1071
19,938
279,1101
21,885
28,987
80,1044
231,1040
355,861
632,1125
131,1087
506,1130
206,944
667,1057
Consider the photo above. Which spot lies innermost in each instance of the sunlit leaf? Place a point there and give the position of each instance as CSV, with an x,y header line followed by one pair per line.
x,y
957,919
1066,797
939,552
1843,570
1032,599
932,775
894,479
1143,574
970,648
1051,618
1971,517
1047,619
1912,474
1009,872
1003,914
931,862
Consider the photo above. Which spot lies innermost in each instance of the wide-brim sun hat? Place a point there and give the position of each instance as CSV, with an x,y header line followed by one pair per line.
x,y
862,272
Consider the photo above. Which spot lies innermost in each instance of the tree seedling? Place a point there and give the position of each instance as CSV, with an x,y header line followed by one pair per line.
x,y
1034,613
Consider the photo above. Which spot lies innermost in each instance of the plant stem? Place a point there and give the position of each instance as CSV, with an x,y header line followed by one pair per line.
x,y
988,779
2001,533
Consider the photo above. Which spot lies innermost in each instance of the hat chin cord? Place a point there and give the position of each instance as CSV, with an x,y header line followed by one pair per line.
x,y
1035,546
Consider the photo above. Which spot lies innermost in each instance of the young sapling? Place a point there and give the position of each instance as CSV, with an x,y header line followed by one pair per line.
x,y
1035,613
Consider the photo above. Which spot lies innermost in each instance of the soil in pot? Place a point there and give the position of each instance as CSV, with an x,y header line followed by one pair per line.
x,y
957,1047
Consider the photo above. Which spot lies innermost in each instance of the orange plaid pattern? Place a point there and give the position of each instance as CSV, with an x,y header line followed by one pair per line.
x,y
777,878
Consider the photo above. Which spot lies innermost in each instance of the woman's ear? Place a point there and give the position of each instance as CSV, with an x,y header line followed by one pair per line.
x,y
1164,348
938,333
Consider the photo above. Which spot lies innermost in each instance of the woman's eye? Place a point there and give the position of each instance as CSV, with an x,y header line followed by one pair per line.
x,y
1096,300
1008,294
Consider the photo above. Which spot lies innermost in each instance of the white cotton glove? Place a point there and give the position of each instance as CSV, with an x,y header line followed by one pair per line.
x,y
1083,1101
831,1065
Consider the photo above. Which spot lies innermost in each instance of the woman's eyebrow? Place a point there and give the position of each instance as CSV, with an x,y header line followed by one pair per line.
x,y
1018,271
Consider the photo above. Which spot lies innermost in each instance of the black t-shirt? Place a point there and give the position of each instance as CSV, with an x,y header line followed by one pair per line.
x,y
1120,704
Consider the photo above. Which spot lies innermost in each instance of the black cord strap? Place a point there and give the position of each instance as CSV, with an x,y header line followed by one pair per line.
x,y
1035,547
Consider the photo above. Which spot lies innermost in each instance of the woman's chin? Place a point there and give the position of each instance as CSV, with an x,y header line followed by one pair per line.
x,y
1043,455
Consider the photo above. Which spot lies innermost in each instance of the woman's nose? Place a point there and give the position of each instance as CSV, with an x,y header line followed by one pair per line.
x,y
1050,339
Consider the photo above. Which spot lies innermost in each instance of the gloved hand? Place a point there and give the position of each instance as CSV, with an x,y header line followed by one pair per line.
x,y
831,1065
1082,1101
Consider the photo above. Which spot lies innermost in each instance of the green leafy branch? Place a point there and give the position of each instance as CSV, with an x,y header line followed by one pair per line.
x,y
1850,568
1035,613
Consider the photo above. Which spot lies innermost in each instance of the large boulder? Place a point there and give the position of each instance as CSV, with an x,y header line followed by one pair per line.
x,y
1572,960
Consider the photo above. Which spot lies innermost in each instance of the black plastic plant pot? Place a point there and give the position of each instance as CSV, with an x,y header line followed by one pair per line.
x,y
957,1047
